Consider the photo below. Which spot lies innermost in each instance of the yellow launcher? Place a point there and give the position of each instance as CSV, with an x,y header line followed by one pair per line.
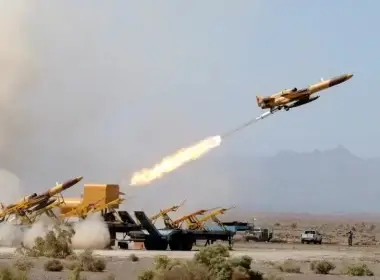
x,y
69,205
190,218
164,213
96,197
199,223
48,211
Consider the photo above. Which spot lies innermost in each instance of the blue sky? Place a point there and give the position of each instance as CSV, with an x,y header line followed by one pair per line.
x,y
227,53
128,82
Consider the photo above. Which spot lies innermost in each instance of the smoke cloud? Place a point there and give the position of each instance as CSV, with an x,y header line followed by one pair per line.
x,y
11,187
106,91
91,233
38,229
10,235
16,69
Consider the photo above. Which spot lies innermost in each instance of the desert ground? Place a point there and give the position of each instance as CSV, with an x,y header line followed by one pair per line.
x,y
266,257
288,227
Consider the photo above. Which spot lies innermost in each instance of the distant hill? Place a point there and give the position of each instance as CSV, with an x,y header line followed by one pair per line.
x,y
331,181
320,181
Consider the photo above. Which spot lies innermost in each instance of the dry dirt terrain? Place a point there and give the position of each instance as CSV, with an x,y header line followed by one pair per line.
x,y
288,227
121,266
266,257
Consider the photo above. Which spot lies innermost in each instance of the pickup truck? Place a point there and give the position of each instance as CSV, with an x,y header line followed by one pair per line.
x,y
311,236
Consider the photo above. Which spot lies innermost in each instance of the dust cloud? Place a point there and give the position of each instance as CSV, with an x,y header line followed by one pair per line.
x,y
81,87
11,187
91,233
16,69
38,229
10,235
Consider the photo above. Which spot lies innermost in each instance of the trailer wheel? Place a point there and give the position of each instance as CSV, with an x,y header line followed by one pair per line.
x,y
155,244
188,245
181,242
162,245
148,244
176,241
175,245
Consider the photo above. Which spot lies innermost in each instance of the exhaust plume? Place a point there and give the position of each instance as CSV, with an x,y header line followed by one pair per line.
x,y
11,186
15,68
113,63
171,163
10,235
91,233
38,229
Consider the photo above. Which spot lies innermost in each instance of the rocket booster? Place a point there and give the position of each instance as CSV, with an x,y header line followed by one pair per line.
x,y
261,117
61,187
49,193
265,115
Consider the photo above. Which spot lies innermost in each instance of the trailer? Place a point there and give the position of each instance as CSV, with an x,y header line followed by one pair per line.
x,y
175,239
120,222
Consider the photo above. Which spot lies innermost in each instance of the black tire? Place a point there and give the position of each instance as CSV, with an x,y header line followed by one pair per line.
x,y
175,245
181,242
155,244
163,245
188,242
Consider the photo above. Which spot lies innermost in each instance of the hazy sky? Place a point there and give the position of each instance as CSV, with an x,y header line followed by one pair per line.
x,y
107,87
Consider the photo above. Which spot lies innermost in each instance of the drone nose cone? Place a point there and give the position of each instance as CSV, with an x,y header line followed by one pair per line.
x,y
340,79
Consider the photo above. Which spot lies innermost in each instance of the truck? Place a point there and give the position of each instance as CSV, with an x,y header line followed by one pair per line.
x,y
174,239
311,236
251,232
258,235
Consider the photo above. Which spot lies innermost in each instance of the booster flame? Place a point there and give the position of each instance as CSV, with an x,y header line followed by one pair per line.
x,y
170,163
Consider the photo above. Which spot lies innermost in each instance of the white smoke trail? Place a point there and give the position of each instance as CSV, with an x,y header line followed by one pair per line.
x,y
172,162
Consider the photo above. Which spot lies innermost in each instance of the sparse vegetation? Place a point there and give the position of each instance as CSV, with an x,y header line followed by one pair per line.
x,y
75,275
210,263
358,270
56,244
23,264
146,275
289,266
133,258
9,273
322,267
53,265
86,261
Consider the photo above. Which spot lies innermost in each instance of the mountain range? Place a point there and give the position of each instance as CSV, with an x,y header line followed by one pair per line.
x,y
317,182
